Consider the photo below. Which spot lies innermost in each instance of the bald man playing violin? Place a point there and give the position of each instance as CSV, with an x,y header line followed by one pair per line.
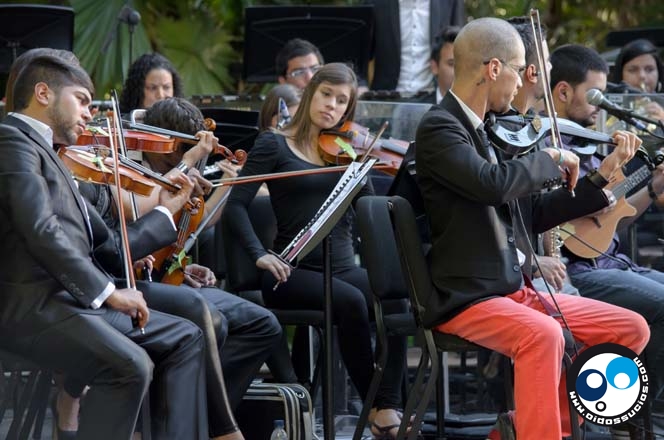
x,y
60,309
478,202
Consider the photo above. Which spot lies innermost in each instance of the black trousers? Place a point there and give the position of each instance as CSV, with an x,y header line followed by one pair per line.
x,y
352,308
119,363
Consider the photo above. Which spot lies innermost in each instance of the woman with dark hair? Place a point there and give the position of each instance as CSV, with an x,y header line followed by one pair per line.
x,y
151,78
270,111
328,100
638,65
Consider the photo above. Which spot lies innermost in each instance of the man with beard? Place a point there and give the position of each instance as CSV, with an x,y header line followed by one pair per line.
x,y
58,307
612,277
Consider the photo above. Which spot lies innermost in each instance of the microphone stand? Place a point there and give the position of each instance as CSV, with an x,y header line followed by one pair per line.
x,y
132,18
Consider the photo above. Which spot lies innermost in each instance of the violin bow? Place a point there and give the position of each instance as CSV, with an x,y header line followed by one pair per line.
x,y
126,252
121,146
556,139
365,156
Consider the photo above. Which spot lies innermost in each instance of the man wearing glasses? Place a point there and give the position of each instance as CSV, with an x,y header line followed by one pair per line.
x,y
297,62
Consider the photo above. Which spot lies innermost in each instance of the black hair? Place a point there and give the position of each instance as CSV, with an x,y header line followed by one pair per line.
x,y
294,48
53,70
132,90
632,50
572,62
176,114
270,107
446,35
524,27
24,59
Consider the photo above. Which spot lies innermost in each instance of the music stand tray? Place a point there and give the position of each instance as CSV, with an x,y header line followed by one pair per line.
x,y
341,33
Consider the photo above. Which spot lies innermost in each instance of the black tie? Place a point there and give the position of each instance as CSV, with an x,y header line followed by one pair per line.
x,y
487,144
483,137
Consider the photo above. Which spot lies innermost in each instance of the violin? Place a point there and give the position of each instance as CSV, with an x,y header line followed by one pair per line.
x,y
172,260
343,145
150,139
89,167
93,165
136,140
238,157
537,128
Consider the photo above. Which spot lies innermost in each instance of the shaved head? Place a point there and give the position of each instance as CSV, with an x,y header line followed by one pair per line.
x,y
483,39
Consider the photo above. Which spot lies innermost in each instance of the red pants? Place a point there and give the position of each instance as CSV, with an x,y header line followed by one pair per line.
x,y
517,326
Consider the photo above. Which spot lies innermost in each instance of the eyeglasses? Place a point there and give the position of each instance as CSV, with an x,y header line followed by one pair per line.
x,y
517,69
303,70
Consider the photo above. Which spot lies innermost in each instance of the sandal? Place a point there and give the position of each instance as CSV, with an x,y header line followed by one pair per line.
x,y
384,432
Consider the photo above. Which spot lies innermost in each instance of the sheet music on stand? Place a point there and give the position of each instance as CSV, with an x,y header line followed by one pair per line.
x,y
350,183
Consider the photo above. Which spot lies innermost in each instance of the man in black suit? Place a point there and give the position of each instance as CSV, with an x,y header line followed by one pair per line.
x,y
58,307
395,48
480,204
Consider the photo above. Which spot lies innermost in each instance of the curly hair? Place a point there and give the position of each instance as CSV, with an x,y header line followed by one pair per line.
x,y
132,90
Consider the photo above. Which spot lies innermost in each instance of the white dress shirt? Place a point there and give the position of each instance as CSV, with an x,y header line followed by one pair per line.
x,y
415,74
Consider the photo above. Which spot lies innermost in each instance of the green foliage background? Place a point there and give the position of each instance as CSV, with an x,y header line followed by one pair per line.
x,y
203,38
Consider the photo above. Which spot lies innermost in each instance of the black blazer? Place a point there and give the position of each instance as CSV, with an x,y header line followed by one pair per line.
x,y
387,35
49,233
472,204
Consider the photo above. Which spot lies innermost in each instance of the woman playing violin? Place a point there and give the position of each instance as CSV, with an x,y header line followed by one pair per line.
x,y
328,100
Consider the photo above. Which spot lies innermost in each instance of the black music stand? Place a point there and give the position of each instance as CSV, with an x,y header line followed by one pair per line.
x,y
235,128
624,36
318,229
341,33
24,27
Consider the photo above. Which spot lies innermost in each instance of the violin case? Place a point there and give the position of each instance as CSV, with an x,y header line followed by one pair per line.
x,y
263,403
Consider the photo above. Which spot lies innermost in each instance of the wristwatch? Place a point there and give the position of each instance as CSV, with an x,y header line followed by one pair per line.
x,y
597,179
182,167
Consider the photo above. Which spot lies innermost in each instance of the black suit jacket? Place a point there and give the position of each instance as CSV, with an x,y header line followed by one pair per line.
x,y
472,205
387,35
49,233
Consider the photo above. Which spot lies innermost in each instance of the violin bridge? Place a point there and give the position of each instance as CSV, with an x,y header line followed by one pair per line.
x,y
537,123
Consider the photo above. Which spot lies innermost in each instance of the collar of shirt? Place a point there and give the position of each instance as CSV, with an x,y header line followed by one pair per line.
x,y
44,130
439,96
474,119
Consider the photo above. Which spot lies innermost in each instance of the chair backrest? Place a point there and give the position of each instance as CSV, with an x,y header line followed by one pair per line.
x,y
413,262
241,271
379,249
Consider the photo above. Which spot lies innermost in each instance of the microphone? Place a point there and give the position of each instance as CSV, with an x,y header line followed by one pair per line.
x,y
283,116
129,15
595,97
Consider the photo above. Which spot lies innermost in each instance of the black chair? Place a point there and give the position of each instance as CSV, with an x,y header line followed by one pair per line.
x,y
418,277
25,389
380,255
244,278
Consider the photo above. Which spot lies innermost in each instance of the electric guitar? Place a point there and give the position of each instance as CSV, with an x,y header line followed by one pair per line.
x,y
590,236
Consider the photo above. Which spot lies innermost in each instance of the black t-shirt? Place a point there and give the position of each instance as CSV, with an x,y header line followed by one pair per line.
x,y
295,201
